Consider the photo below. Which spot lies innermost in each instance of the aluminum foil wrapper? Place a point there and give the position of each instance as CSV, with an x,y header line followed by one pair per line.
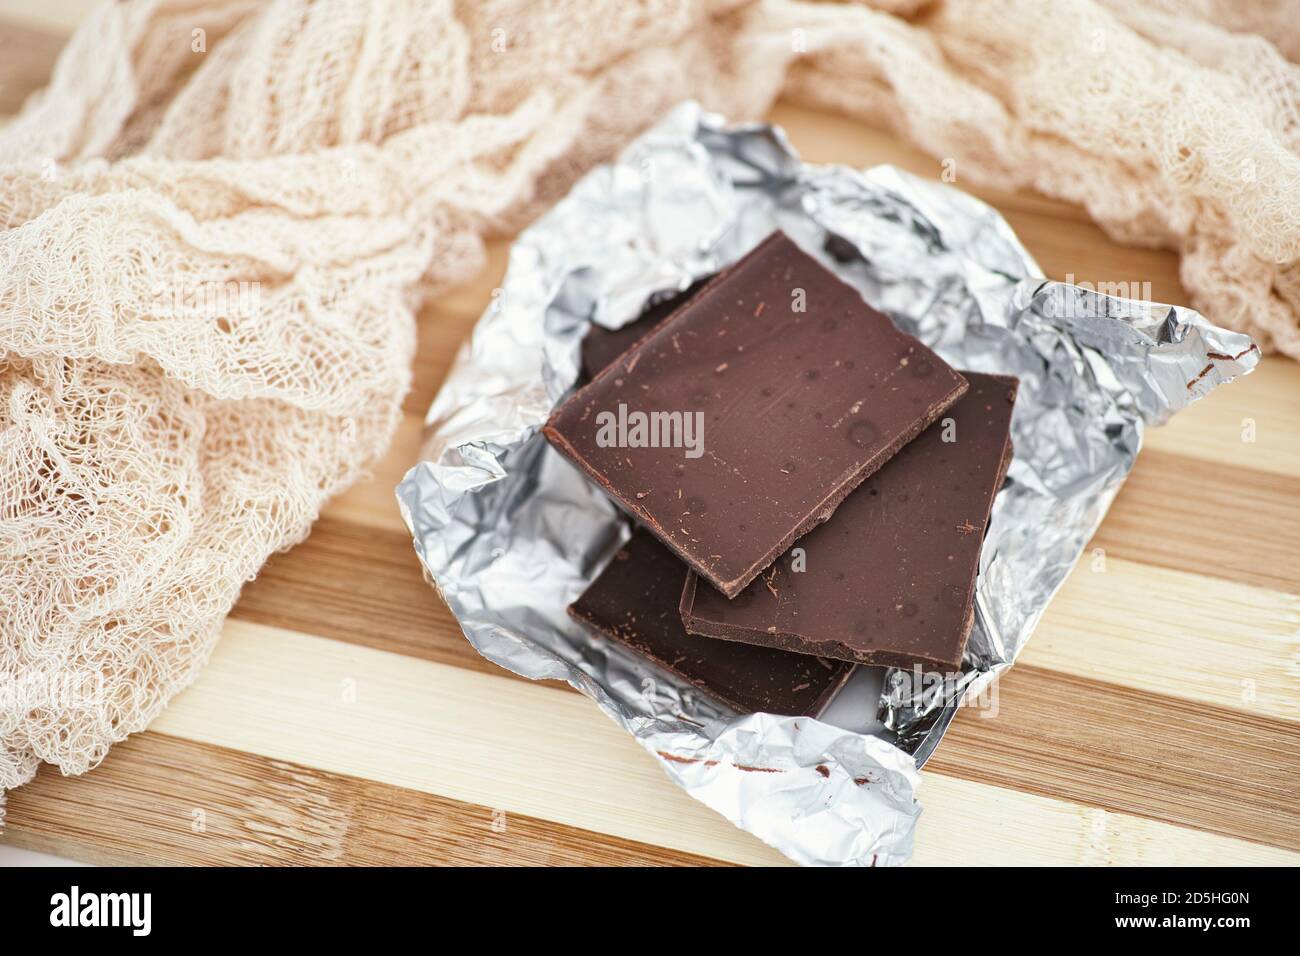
x,y
511,533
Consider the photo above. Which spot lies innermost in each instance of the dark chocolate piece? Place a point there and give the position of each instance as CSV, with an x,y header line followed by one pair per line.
x,y
890,579
634,601
740,424
601,346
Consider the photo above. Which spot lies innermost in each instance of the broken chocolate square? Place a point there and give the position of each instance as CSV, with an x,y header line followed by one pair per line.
x,y
634,601
890,579
741,423
601,346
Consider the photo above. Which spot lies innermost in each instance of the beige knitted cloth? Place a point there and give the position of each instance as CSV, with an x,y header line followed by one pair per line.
x,y
215,221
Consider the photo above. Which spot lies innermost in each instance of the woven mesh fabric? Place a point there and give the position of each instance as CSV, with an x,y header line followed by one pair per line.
x,y
212,244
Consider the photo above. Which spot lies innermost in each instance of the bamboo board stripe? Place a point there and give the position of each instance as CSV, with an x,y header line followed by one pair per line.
x,y
1224,522
1217,739
160,799
1090,626
966,823
280,694
1167,632
1251,424
1174,634
141,807
1170,760
472,737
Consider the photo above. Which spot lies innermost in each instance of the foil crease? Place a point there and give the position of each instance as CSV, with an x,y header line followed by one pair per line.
x,y
510,533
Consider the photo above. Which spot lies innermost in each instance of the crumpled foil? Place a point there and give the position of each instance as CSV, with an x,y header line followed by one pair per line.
x,y
511,533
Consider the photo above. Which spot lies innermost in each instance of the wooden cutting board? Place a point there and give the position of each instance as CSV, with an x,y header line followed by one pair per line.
x,y
1154,718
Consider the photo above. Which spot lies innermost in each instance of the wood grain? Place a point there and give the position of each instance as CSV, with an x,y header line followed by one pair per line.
x,y
1165,632
968,823
1171,633
1099,622
344,718
1228,521
1132,752
160,799
482,739
360,585
1252,425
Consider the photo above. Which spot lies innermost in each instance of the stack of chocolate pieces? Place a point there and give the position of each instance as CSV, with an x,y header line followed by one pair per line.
x,y
811,484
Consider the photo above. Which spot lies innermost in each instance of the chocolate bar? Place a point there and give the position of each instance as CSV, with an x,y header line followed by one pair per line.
x,y
601,346
634,601
741,423
890,579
